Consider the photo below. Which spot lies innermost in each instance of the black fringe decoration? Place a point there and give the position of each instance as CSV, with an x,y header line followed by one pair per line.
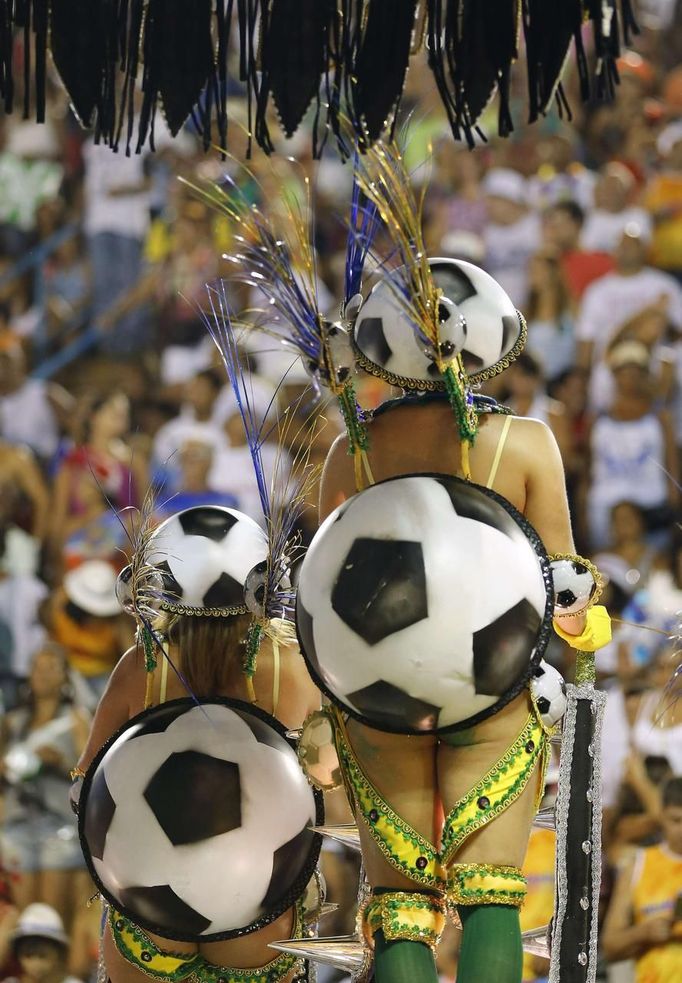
x,y
294,55
349,57
378,74
548,29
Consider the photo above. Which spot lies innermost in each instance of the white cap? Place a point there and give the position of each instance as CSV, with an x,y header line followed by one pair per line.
x,y
42,922
92,586
503,182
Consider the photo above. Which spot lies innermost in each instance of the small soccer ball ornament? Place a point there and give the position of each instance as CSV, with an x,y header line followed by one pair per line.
x,y
575,585
195,820
423,604
549,692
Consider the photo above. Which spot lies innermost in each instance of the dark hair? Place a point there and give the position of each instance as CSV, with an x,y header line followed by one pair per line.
x,y
570,208
20,943
558,287
213,377
672,792
529,365
90,405
66,696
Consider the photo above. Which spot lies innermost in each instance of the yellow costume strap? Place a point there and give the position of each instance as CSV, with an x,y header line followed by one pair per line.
x,y
475,884
139,950
275,675
408,915
498,451
406,850
496,791
163,684
361,464
595,634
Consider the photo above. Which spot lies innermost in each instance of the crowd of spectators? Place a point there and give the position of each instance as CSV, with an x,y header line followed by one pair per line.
x,y
106,256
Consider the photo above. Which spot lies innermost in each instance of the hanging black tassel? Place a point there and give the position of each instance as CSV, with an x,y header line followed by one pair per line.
x,y
80,46
6,54
548,29
293,56
130,31
606,28
178,56
378,76
472,44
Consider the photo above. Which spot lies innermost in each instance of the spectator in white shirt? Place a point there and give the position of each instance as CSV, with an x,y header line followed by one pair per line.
x,y
27,413
613,210
116,221
512,234
613,300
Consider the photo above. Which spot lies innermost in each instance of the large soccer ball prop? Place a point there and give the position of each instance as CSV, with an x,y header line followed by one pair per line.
x,y
423,604
204,555
195,820
549,692
477,318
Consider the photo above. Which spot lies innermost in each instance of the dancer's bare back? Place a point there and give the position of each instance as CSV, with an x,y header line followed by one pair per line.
x,y
413,438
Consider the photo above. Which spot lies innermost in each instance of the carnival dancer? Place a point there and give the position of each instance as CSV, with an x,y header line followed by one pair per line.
x,y
211,595
437,328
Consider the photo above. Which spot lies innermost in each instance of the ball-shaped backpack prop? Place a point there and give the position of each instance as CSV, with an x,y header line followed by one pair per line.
x,y
424,603
205,555
549,693
476,317
195,820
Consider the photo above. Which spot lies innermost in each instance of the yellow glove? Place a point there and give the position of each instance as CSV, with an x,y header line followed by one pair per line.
x,y
596,633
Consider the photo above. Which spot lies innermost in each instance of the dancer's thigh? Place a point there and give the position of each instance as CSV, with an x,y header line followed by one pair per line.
x,y
505,839
252,950
403,770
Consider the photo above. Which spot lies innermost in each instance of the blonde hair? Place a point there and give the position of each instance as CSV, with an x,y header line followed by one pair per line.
x,y
211,650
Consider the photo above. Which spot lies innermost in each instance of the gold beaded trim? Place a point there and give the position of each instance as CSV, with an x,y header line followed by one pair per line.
x,y
204,612
438,385
407,915
598,579
474,884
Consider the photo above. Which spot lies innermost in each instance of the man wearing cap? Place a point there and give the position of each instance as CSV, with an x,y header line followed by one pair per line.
x,y
41,946
512,233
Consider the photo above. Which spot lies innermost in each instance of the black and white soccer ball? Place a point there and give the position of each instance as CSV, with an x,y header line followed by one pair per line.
x,y
205,555
478,319
549,692
423,604
195,820
574,585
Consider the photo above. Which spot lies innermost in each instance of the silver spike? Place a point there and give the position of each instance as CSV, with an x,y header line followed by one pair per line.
x,y
327,908
345,951
536,942
346,833
545,818
294,735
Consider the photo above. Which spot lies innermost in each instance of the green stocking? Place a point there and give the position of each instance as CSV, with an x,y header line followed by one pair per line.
x,y
491,944
402,961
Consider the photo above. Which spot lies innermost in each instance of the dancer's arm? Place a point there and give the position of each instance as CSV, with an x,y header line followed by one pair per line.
x,y
115,707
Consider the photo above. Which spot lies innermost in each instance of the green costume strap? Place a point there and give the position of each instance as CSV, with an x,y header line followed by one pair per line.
x,y
141,952
416,916
501,786
406,850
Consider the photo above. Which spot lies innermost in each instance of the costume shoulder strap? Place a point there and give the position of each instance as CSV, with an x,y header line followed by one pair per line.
x,y
498,451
